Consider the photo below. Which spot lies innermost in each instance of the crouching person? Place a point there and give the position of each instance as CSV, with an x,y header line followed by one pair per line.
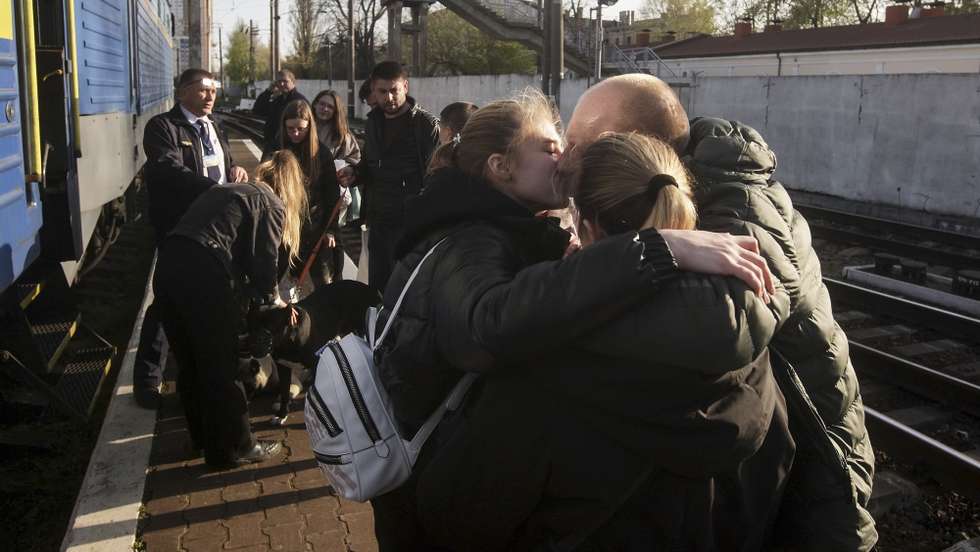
x,y
220,260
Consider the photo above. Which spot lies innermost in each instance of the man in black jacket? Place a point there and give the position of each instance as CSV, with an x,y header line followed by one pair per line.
x,y
271,103
401,137
186,153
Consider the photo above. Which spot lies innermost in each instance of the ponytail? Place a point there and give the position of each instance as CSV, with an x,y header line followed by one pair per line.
x,y
631,182
444,156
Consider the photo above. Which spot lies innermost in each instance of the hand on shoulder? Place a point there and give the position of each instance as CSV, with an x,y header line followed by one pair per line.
x,y
723,254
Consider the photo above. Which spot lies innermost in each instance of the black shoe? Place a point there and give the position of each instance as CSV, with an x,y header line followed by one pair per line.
x,y
147,398
262,451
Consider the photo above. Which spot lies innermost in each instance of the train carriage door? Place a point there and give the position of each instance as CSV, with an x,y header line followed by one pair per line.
x,y
20,203
61,235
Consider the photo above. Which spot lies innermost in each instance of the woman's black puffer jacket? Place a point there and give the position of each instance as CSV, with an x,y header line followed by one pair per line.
x,y
477,307
828,494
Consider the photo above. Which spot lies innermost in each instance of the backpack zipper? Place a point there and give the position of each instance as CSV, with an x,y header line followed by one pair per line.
x,y
355,393
330,459
323,413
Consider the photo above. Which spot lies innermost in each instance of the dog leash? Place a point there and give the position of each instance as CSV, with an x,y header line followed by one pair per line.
x,y
319,243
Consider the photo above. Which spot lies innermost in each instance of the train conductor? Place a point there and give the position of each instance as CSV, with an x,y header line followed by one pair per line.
x,y
186,153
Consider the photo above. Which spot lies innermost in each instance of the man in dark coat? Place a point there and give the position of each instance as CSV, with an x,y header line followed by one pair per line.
x,y
186,153
828,492
401,137
271,103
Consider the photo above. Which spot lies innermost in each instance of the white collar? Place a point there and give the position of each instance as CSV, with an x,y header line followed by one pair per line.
x,y
193,119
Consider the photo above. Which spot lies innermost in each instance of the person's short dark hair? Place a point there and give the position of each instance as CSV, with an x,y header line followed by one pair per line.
x,y
389,70
365,90
455,115
192,75
287,74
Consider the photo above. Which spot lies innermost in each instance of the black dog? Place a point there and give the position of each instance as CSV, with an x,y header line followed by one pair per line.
x,y
333,310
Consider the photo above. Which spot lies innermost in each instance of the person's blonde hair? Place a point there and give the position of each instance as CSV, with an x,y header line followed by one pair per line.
x,y
628,184
499,127
283,174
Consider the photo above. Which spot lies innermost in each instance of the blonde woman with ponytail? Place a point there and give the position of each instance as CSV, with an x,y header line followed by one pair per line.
x,y
221,259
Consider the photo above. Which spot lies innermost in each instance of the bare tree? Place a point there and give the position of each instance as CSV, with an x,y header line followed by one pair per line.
x,y
307,31
367,15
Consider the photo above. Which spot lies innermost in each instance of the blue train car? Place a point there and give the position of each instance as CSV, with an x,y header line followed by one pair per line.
x,y
78,81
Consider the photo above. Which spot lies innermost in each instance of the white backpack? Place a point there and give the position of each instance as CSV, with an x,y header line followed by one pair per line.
x,y
350,419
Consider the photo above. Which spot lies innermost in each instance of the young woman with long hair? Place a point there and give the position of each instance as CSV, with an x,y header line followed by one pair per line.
x,y
300,136
613,387
220,260
334,133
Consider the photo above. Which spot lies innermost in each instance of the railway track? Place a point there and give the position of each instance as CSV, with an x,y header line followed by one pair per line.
x,y
920,376
930,245
248,125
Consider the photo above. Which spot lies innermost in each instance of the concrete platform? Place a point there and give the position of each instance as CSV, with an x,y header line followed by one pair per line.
x,y
282,504
245,154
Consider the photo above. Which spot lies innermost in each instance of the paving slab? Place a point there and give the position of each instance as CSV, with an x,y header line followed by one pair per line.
x,y
283,504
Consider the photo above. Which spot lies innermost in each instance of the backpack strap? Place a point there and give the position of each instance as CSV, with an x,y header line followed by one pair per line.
x,y
398,304
451,403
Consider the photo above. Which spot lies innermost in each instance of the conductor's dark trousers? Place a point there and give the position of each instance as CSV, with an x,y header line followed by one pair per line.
x,y
201,316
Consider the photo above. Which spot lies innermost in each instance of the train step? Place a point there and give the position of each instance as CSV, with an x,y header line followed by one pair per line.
x,y
69,391
50,363
83,370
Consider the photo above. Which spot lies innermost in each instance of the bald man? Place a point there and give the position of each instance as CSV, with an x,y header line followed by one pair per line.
x,y
825,502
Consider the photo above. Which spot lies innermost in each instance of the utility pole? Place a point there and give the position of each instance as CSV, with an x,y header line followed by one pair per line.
x,y
351,97
276,25
252,31
272,41
221,62
544,7
598,37
329,63
557,38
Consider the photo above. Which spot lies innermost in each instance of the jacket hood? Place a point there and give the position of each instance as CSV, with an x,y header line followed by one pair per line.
x,y
451,196
721,150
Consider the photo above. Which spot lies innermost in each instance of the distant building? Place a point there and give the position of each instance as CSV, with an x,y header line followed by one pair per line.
x,y
922,41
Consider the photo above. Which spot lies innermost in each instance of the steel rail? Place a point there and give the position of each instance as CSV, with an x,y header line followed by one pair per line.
x,y
963,241
242,127
952,468
916,378
917,252
944,321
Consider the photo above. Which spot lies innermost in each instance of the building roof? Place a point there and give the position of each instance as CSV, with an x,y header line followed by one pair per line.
x,y
926,31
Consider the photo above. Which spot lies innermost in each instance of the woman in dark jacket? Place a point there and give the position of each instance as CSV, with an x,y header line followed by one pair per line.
x,y
223,256
495,298
299,135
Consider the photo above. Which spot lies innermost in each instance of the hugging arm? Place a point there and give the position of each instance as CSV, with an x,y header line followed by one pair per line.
x,y
487,310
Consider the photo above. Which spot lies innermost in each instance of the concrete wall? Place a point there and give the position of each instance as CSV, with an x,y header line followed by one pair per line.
x,y
960,58
910,141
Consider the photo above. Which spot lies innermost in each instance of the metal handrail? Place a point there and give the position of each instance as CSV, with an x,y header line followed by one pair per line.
x,y
630,58
519,12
